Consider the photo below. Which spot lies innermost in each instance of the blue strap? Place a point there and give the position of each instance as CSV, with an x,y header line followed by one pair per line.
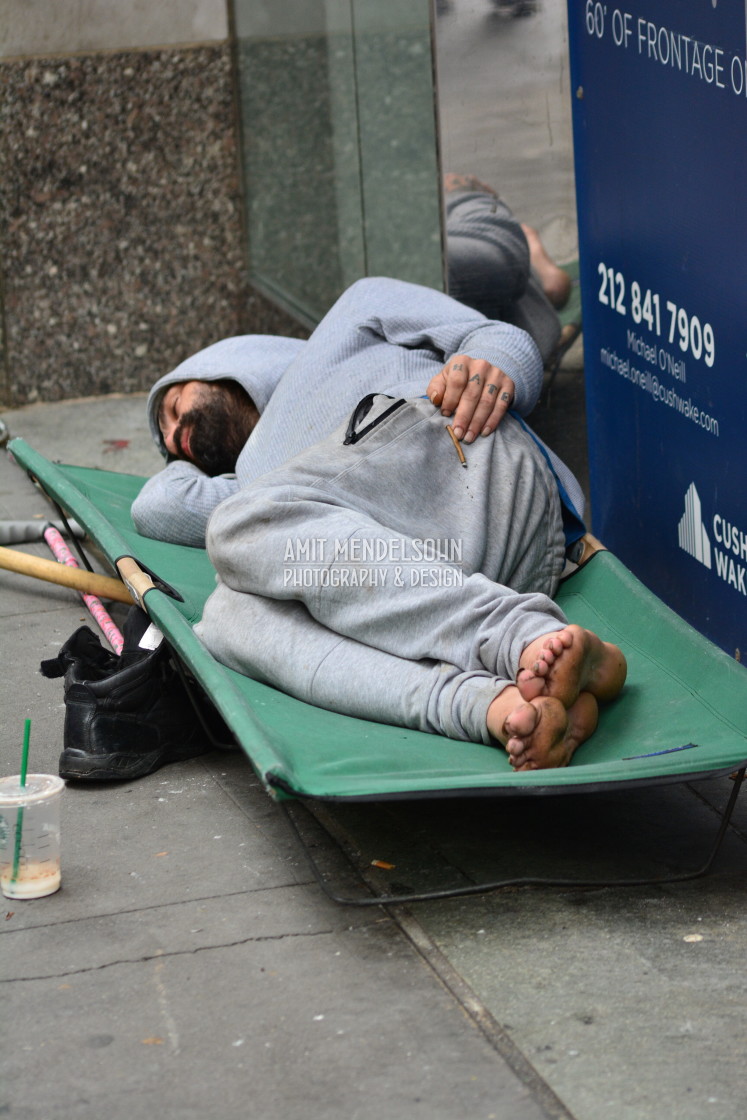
x,y
573,525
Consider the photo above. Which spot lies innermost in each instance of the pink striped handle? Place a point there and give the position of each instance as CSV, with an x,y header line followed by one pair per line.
x,y
94,604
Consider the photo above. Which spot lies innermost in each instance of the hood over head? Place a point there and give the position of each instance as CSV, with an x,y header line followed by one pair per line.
x,y
255,361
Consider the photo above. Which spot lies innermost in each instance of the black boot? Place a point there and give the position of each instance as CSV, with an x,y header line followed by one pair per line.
x,y
127,715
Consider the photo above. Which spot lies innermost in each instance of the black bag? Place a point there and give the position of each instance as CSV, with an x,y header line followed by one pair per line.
x,y
127,715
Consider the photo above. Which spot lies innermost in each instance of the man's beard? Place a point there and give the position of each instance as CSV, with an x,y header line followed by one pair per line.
x,y
218,428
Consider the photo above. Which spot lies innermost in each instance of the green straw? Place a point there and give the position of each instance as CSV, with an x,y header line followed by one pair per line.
x,y
19,816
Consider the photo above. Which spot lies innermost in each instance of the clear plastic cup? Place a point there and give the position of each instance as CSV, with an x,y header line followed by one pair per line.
x,y
30,835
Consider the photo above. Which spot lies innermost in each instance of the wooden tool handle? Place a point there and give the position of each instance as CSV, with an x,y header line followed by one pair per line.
x,y
591,545
137,581
90,583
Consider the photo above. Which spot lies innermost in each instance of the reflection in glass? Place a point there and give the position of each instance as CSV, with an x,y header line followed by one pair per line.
x,y
506,143
339,146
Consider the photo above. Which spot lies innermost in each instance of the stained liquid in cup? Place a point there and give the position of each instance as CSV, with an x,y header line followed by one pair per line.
x,y
30,835
33,880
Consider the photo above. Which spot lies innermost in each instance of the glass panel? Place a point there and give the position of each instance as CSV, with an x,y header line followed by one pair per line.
x,y
288,150
339,146
505,111
399,162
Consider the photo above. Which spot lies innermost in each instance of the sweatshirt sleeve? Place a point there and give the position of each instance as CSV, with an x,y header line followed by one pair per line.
x,y
175,504
411,316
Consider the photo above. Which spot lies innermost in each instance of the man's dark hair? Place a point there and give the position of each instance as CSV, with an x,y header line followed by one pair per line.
x,y
218,427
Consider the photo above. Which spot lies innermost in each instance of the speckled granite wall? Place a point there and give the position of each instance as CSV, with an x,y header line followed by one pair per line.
x,y
121,241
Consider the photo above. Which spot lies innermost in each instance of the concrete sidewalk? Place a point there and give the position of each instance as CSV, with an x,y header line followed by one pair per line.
x,y
191,966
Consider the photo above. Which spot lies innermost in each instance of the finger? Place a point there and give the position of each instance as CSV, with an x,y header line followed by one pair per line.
x,y
495,399
503,400
436,388
478,372
456,375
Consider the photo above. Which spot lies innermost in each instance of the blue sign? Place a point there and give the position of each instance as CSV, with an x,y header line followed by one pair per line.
x,y
660,134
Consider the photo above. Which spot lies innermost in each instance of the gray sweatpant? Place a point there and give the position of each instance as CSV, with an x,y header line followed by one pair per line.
x,y
380,578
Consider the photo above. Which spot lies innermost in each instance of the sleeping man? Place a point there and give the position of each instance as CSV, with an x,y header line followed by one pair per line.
x,y
382,336
371,571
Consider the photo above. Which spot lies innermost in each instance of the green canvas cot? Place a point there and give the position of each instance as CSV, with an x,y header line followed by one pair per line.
x,y
681,715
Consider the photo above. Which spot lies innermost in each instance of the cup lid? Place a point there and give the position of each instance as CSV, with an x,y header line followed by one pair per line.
x,y
39,787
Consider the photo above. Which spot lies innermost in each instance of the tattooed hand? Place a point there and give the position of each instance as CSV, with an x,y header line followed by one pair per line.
x,y
476,393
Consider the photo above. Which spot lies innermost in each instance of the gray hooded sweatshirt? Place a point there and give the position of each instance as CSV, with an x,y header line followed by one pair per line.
x,y
382,335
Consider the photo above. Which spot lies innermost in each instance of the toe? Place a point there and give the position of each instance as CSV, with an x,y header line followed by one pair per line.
x,y
529,685
516,752
565,637
521,722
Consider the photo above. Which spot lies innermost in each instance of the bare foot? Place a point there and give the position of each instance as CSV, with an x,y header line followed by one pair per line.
x,y
569,661
541,734
555,281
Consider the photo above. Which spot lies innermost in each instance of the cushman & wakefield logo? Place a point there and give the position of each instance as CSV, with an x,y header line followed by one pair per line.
x,y
692,532
728,553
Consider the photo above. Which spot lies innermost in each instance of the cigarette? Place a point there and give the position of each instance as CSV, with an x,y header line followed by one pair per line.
x,y
457,444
